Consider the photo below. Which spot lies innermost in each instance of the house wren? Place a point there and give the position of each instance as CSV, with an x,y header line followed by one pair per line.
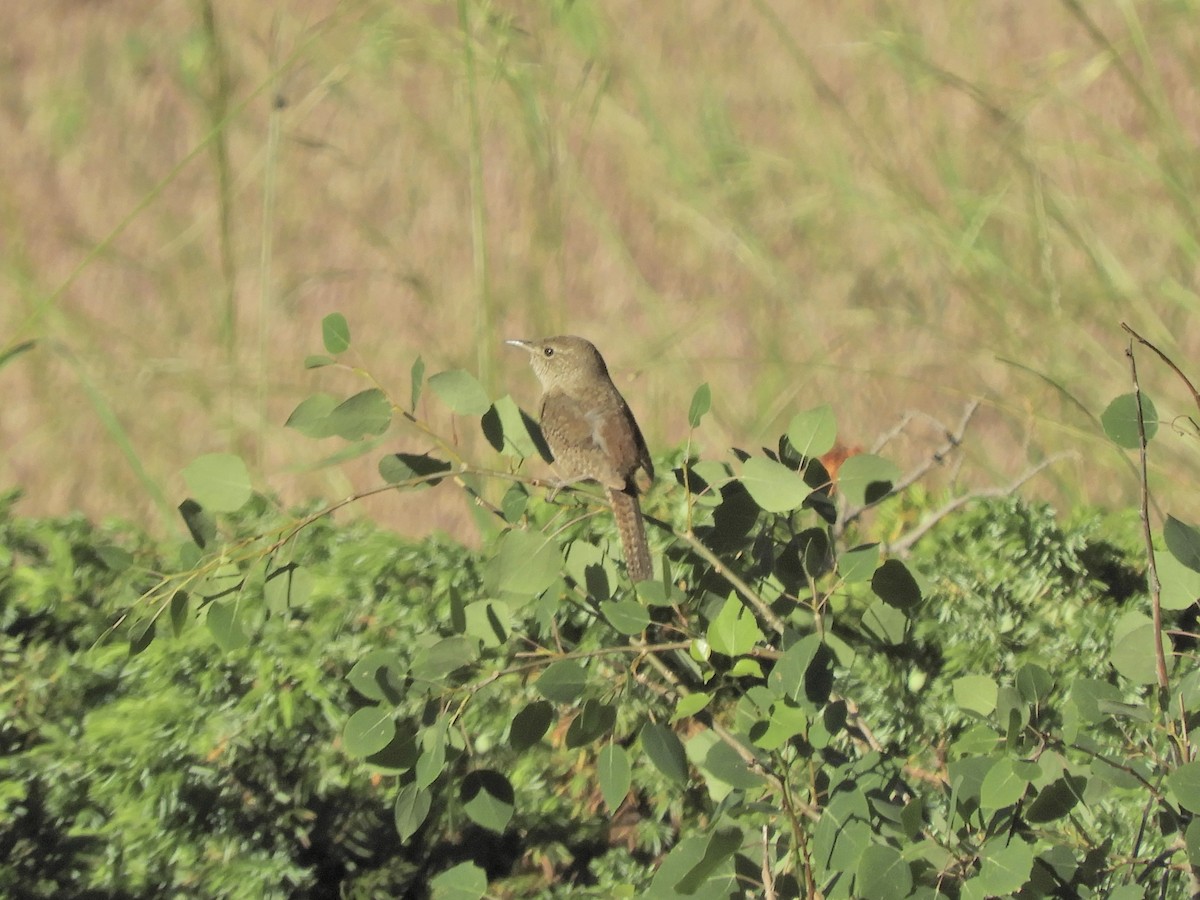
x,y
593,435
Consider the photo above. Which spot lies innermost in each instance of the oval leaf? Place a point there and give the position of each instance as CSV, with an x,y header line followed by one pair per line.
x,y
368,731
525,563
562,682
882,874
814,432
734,631
1183,541
895,585
220,482
665,750
412,807
1120,421
488,799
460,391
773,486
311,417
866,478
614,774
366,413
701,403
335,331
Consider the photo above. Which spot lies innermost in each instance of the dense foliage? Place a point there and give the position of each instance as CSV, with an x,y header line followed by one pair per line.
x,y
289,706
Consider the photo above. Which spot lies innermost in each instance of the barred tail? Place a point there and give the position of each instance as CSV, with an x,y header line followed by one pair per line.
x,y
632,530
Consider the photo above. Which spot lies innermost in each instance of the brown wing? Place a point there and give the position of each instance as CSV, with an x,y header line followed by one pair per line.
x,y
581,440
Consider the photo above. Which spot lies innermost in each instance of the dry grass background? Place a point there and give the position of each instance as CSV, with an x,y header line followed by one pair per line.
x,y
882,206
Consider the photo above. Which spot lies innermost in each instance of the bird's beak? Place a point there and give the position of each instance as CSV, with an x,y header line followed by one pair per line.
x,y
524,345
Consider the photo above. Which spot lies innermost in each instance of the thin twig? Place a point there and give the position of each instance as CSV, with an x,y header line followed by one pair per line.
x,y
1174,368
904,544
1160,657
953,439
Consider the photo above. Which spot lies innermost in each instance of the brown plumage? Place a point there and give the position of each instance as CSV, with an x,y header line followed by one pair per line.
x,y
593,435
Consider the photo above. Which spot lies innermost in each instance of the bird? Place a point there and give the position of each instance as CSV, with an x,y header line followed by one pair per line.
x,y
593,435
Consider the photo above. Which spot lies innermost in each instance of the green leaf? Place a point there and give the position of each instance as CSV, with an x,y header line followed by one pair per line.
x,y
399,467
417,376
858,564
734,631
1004,870
179,612
379,676
487,799
225,626
802,674
368,731
460,391
701,403
446,656
865,479
690,704
787,721
366,413
512,435
814,432
683,858
886,622
773,486
412,808
562,681
335,331
626,616
595,720
141,636
976,693
882,874
488,621
1034,683
219,481
614,774
201,526
725,764
288,587
1183,541
1120,421
1184,783
530,725
664,749
318,361
722,844
524,563
895,585
1056,799
311,416
1180,585
466,881
1133,653
1002,786
432,761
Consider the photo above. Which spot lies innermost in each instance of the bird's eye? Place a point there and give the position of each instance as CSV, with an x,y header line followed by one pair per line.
x,y
547,352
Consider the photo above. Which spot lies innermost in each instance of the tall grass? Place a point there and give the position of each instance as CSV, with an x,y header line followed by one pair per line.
x,y
884,208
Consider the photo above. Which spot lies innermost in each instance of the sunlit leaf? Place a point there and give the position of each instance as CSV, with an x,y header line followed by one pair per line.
x,y
772,485
220,482
814,432
335,331
461,391
614,773
1120,421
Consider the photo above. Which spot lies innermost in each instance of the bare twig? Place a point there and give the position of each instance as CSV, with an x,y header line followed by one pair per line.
x,y
905,543
953,439
1174,368
1160,657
